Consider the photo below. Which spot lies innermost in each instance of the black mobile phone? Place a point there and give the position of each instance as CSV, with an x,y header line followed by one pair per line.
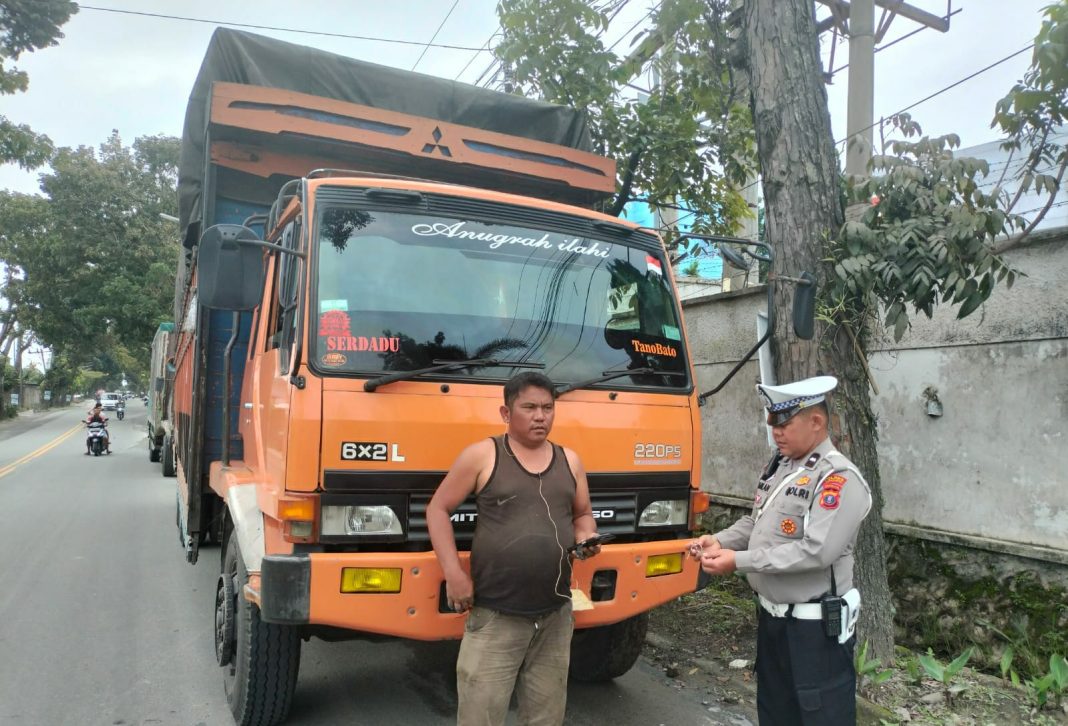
x,y
599,539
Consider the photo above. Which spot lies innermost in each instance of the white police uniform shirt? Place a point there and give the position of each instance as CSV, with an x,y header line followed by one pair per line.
x,y
805,520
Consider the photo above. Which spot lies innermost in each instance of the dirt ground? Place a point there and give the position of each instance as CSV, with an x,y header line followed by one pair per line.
x,y
707,641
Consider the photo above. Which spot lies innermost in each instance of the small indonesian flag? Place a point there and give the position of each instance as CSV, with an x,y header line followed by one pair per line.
x,y
653,265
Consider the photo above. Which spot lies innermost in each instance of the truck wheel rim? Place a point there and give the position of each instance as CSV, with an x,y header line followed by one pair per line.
x,y
224,620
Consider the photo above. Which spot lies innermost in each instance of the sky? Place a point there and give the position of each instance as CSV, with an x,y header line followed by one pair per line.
x,y
133,73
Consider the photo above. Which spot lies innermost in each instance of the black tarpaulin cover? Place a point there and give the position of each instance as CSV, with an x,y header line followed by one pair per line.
x,y
240,57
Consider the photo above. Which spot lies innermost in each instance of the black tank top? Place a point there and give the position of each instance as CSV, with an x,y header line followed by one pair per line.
x,y
519,560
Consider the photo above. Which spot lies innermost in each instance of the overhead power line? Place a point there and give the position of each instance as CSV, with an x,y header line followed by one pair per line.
x,y
907,108
483,49
435,35
371,38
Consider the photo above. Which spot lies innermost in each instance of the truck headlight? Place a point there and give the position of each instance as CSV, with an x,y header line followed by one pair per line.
x,y
664,512
358,520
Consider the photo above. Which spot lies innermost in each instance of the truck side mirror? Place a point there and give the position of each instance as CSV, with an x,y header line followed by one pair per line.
x,y
735,258
804,310
229,269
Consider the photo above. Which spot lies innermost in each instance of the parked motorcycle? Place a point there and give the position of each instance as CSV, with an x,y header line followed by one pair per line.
x,y
96,439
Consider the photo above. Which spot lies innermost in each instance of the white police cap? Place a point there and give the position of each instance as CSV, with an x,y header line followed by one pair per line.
x,y
784,402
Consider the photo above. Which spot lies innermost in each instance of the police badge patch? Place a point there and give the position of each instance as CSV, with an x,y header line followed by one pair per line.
x,y
788,526
829,500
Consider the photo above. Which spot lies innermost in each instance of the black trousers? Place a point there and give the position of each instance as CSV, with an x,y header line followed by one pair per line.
x,y
804,678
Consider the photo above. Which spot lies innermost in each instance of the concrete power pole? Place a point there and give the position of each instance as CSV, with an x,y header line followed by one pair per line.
x,y
856,20
861,86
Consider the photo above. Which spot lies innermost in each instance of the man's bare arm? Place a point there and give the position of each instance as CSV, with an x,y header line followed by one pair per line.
x,y
581,510
458,484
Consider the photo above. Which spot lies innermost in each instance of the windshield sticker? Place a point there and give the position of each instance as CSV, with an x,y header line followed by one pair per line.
x,y
547,241
654,349
653,265
335,322
361,343
334,360
325,305
671,332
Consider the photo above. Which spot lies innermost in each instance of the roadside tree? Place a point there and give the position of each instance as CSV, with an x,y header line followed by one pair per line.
x,y
25,26
92,261
688,139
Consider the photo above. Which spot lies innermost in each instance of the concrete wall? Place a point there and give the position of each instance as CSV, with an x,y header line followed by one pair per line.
x,y
991,470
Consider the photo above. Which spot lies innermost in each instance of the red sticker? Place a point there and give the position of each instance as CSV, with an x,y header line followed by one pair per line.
x,y
788,526
335,322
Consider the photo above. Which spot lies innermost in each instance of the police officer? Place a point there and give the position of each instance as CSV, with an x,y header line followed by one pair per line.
x,y
796,548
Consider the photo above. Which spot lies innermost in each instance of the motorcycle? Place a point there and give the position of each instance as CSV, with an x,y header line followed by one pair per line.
x,y
120,410
95,440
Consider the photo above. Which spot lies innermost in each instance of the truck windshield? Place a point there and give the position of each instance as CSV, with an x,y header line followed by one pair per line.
x,y
398,292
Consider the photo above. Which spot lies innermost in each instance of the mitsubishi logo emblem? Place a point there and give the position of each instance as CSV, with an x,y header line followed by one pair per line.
x,y
429,148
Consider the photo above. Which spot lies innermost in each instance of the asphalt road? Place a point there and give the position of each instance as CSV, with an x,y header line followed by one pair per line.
x,y
103,622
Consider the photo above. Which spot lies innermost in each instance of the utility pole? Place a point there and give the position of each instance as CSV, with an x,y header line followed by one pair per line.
x,y
856,20
859,119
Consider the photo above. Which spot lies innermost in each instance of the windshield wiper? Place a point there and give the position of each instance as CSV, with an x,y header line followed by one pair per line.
x,y
609,375
446,365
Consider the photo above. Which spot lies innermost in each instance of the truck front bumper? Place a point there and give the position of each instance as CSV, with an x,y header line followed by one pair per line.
x,y
307,589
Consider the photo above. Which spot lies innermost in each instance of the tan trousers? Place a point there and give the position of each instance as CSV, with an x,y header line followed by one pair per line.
x,y
500,652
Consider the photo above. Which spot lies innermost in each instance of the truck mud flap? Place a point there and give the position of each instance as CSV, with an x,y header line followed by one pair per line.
x,y
285,589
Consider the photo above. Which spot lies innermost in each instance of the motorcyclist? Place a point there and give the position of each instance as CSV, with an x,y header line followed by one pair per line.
x,y
96,414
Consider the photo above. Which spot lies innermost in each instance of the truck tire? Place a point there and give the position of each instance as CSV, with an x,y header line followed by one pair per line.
x,y
167,456
607,652
260,660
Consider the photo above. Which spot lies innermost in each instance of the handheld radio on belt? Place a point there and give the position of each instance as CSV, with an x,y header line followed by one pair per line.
x,y
831,606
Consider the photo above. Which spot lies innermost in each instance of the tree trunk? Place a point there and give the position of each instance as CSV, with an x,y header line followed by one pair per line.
x,y
799,168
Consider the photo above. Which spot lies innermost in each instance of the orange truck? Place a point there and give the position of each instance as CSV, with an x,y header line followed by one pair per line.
x,y
369,255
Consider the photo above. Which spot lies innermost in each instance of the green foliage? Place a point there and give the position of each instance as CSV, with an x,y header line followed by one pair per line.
x,y
1054,683
26,25
92,262
691,139
868,671
1005,666
945,673
1037,106
926,236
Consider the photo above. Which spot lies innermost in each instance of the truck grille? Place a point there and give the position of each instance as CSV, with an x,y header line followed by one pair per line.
x,y
617,500
615,513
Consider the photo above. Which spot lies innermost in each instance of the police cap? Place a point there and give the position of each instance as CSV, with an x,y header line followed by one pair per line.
x,y
784,402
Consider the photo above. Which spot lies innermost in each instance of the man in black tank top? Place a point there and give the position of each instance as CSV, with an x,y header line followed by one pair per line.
x,y
533,503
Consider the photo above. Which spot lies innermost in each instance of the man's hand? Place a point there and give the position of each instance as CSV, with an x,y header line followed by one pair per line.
x,y
718,561
460,592
706,543
583,553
